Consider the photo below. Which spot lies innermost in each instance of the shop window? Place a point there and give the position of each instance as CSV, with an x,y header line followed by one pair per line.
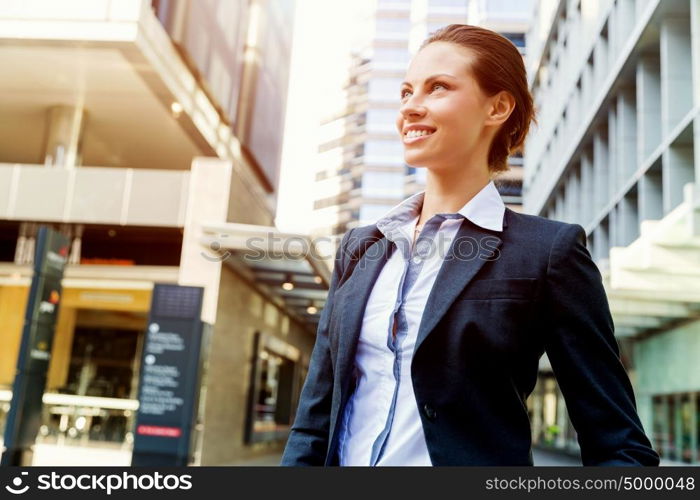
x,y
273,390
671,410
674,418
660,434
686,419
697,424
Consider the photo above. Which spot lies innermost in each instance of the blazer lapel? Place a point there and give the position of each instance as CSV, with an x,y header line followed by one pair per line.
x,y
478,246
358,288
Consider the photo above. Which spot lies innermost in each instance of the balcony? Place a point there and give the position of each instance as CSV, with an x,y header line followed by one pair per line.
x,y
94,195
114,60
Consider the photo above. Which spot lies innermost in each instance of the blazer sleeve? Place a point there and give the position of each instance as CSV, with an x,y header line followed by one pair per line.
x,y
582,349
308,438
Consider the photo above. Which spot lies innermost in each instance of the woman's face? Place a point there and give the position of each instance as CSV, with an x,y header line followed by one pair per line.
x,y
441,97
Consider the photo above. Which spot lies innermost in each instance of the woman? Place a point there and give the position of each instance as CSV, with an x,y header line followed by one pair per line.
x,y
438,314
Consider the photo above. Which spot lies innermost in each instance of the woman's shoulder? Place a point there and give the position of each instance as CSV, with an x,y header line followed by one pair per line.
x,y
537,225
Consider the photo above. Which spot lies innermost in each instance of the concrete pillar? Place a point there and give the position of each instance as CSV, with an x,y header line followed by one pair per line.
x,y
678,427
613,166
613,226
537,412
645,410
648,106
627,219
64,136
695,49
573,195
676,73
600,170
666,428
601,63
602,246
678,170
626,136
208,200
694,416
562,417
651,195
587,189
625,20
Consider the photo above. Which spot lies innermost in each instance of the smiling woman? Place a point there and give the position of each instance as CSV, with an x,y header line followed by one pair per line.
x,y
478,69
425,357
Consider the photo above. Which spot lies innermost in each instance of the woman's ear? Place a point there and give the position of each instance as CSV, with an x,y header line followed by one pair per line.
x,y
501,106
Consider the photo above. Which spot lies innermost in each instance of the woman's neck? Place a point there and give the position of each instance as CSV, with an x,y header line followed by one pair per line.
x,y
449,193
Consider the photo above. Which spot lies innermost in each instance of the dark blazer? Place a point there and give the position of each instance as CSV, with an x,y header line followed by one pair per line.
x,y
495,308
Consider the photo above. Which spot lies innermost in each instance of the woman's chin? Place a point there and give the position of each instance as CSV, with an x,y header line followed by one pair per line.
x,y
416,159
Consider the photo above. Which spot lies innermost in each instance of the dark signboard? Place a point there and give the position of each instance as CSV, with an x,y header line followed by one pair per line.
x,y
24,418
169,380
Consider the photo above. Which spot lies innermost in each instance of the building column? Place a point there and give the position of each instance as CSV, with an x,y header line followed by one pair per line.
x,y
66,125
208,200
648,106
676,73
678,427
645,410
562,417
694,416
695,51
666,428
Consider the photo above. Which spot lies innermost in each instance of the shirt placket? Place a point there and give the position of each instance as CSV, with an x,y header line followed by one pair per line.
x,y
414,258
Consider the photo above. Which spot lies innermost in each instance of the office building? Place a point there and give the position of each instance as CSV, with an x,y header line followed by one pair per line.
x,y
617,83
150,134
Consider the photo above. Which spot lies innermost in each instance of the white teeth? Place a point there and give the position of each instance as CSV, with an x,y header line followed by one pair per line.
x,y
417,133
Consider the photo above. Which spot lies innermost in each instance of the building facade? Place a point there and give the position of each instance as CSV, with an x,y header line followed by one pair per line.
x,y
616,83
150,134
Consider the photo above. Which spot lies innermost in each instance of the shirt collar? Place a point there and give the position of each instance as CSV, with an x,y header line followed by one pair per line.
x,y
485,209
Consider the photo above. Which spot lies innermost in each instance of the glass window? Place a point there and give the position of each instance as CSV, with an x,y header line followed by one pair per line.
x,y
388,152
672,415
393,25
385,89
369,214
383,184
273,389
697,424
382,120
686,417
389,54
448,3
449,7
518,39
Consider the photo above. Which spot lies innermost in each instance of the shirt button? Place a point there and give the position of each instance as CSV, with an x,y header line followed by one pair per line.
x,y
429,411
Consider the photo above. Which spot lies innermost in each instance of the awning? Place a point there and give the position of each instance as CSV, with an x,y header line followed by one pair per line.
x,y
285,267
654,283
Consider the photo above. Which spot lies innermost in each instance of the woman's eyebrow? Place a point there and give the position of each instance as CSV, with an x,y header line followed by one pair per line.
x,y
430,79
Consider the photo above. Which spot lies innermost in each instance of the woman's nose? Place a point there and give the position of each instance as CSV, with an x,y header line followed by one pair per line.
x,y
412,108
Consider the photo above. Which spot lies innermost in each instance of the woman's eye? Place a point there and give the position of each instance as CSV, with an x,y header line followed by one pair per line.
x,y
405,92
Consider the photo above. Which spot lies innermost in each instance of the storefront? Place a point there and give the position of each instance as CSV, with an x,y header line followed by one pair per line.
x,y
670,385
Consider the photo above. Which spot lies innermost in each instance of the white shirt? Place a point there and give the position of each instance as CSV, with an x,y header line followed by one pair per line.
x,y
383,374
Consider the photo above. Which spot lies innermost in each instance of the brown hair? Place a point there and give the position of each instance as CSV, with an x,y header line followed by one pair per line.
x,y
497,66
